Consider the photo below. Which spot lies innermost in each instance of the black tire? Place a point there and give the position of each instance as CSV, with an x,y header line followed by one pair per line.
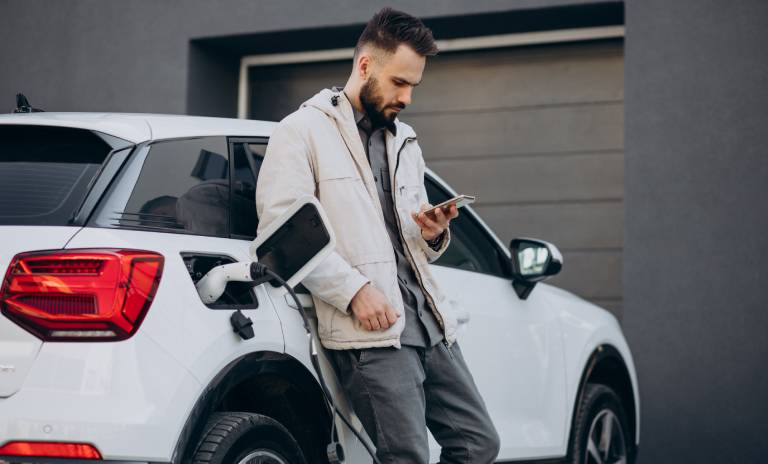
x,y
230,437
599,406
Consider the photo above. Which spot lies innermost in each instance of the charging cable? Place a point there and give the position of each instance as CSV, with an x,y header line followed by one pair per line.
x,y
335,452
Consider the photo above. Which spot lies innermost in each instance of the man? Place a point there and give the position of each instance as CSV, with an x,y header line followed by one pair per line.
x,y
389,330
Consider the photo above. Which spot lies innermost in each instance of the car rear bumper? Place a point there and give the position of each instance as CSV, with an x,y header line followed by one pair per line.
x,y
129,399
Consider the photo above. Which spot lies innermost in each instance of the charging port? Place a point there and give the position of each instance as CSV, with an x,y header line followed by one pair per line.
x,y
237,295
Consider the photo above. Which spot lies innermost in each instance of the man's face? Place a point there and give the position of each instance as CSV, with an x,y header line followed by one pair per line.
x,y
390,83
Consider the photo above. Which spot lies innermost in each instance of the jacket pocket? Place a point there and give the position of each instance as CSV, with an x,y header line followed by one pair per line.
x,y
383,274
336,165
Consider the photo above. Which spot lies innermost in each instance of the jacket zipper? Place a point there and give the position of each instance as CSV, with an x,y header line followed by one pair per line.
x,y
405,245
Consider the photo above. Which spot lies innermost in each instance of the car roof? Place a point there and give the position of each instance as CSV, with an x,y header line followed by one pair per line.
x,y
141,127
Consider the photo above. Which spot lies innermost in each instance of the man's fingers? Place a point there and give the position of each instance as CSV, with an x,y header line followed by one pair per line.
x,y
427,220
418,218
391,316
440,218
383,322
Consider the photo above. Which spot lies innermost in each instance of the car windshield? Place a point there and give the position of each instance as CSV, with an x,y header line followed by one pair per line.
x,y
45,172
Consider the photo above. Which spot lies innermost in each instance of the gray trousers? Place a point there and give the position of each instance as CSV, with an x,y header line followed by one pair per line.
x,y
398,393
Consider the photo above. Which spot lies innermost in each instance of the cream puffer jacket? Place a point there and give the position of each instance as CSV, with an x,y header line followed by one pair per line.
x,y
317,150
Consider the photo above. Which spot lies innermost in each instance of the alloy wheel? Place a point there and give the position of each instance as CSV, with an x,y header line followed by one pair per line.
x,y
263,456
605,442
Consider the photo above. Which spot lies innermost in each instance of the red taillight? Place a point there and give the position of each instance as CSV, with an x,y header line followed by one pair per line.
x,y
50,450
81,294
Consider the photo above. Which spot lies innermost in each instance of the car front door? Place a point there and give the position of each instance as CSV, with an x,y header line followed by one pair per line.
x,y
513,347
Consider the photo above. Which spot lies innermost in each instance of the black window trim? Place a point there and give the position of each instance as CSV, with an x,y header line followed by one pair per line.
x,y
108,172
231,141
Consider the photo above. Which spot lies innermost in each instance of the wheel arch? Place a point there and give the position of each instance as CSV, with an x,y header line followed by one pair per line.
x,y
269,383
606,366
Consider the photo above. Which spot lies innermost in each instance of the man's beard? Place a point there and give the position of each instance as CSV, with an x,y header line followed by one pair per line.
x,y
371,100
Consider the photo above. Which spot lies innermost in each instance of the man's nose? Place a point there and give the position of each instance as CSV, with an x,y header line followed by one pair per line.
x,y
405,96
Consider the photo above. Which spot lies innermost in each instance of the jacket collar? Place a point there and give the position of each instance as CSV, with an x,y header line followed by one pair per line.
x,y
334,103
364,122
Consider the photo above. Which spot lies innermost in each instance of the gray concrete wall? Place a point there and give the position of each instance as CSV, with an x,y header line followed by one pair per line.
x,y
696,228
94,55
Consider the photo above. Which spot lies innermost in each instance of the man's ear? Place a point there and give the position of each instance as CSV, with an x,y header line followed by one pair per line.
x,y
363,67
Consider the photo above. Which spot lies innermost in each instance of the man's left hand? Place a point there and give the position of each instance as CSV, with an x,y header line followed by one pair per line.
x,y
432,225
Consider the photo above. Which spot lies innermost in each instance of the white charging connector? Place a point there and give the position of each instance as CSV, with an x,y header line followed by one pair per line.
x,y
212,285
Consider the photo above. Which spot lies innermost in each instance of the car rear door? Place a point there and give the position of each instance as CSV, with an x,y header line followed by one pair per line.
x,y
191,200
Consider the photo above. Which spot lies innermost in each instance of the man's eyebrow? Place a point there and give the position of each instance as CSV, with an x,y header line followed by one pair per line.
x,y
406,81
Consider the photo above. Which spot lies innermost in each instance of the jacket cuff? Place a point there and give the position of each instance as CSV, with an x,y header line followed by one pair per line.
x,y
433,254
348,290
436,242
335,282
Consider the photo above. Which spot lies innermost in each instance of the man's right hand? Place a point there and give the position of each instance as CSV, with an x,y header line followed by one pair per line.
x,y
372,308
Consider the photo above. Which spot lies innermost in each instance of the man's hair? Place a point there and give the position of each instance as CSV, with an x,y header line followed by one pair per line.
x,y
389,28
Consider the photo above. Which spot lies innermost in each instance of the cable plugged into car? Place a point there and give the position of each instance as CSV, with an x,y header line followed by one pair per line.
x,y
213,284
292,245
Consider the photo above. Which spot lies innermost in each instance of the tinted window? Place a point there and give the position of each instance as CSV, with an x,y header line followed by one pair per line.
x,y
247,158
45,172
471,248
183,187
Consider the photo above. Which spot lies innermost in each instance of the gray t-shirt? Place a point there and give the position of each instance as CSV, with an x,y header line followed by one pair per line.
x,y
421,326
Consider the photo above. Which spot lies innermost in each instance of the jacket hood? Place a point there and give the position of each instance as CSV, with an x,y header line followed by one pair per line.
x,y
342,110
322,100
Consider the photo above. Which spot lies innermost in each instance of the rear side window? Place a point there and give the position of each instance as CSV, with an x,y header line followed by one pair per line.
x,y
45,172
183,187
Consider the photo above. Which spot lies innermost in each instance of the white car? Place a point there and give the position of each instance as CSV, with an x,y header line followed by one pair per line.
x,y
108,352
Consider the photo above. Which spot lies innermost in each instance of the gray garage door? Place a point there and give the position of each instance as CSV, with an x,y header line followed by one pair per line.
x,y
536,133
